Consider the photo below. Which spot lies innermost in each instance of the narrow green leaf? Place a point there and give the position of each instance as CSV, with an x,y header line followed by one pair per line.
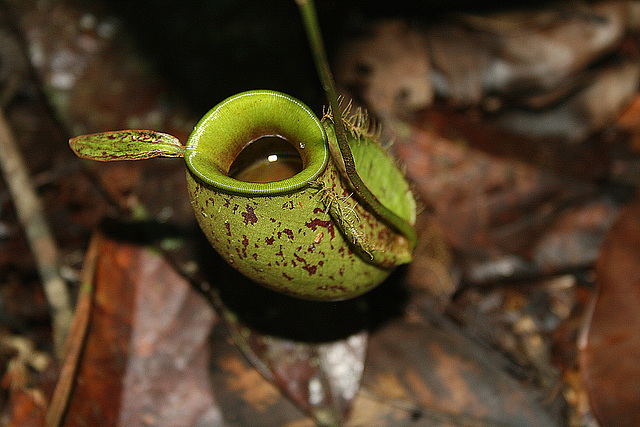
x,y
126,145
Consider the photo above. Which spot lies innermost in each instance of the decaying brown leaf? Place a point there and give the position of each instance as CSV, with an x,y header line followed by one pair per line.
x,y
610,361
145,359
438,378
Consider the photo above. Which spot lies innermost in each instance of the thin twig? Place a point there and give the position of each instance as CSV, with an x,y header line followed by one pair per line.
x,y
30,214
76,339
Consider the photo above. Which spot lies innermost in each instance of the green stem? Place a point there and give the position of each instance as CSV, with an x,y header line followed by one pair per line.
x,y
310,19
312,28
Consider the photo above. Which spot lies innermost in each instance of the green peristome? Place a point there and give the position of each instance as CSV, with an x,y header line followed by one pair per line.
x,y
307,236
126,145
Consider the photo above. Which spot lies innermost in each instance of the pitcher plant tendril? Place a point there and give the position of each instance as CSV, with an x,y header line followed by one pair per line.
x,y
314,36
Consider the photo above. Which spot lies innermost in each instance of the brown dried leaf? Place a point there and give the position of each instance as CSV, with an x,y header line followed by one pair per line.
x,y
145,360
320,378
440,377
610,361
245,396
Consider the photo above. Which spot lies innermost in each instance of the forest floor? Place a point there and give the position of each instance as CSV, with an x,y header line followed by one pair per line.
x,y
520,307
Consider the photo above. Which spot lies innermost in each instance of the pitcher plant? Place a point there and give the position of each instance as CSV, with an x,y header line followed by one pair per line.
x,y
313,208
